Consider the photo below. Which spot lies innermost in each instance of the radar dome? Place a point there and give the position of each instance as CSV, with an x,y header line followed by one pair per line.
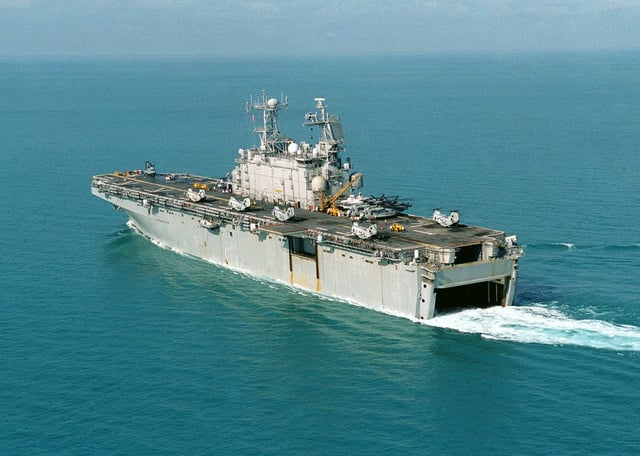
x,y
272,102
292,148
319,183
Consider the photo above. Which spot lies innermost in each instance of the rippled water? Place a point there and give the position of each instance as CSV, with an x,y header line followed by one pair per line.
x,y
111,345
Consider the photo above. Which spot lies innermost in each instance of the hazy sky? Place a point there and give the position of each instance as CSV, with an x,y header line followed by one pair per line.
x,y
302,27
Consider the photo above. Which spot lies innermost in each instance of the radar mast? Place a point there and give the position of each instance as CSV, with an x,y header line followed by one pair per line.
x,y
271,140
332,134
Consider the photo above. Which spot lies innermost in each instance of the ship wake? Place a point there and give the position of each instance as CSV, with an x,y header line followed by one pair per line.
x,y
540,325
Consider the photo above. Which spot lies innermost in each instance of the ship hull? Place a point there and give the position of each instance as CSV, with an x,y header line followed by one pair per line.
x,y
407,289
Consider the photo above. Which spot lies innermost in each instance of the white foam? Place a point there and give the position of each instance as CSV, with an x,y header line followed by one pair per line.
x,y
542,326
568,245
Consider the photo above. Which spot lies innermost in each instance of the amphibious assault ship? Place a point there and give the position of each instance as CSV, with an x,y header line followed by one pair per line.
x,y
292,212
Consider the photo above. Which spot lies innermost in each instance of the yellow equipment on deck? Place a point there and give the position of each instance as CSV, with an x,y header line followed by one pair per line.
x,y
327,204
201,185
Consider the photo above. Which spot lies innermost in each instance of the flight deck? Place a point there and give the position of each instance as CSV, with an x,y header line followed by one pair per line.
x,y
169,190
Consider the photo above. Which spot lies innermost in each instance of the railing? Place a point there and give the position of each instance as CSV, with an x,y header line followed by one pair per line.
x,y
252,223
164,201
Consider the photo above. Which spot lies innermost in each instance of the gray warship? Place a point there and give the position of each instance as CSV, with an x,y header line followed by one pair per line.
x,y
292,212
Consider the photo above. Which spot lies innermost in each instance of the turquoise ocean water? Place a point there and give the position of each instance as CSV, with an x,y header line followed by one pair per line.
x,y
111,345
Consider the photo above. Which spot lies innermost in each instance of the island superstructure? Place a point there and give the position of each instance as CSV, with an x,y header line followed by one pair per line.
x,y
292,212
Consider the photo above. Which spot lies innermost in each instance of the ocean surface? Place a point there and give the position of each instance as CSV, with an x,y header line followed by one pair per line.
x,y
111,345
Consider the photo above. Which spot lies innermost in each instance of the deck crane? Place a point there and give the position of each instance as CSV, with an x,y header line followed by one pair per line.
x,y
327,204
